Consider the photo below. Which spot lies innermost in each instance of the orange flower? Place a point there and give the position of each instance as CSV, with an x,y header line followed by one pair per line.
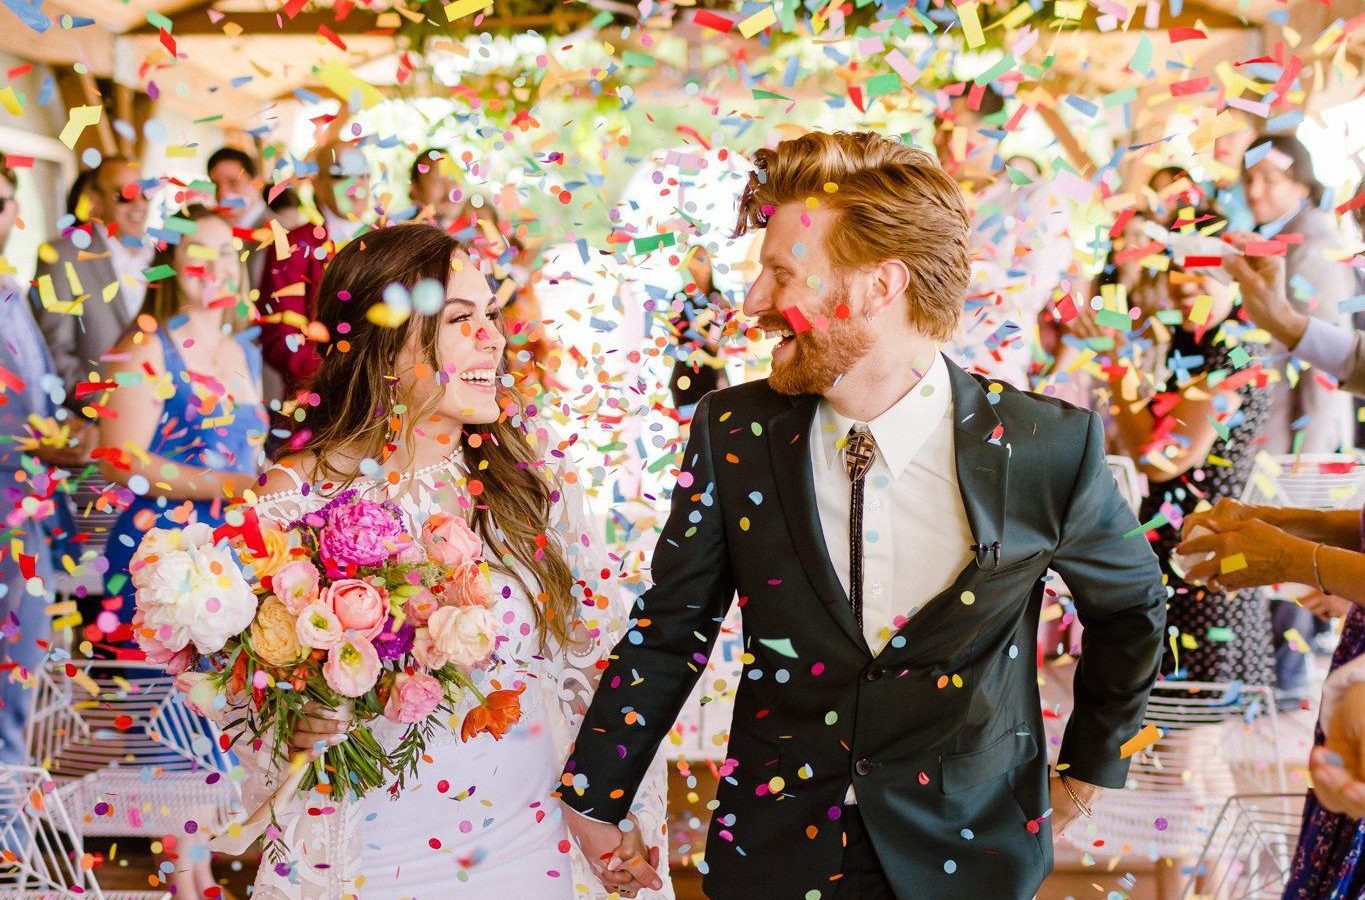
x,y
499,711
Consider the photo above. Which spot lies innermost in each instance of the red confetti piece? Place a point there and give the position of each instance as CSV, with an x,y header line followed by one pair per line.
x,y
123,723
434,843
708,19
1192,86
1186,34
19,71
331,36
796,320
293,7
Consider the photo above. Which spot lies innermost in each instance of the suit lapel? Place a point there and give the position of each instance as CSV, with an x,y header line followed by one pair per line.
x,y
981,457
982,463
789,445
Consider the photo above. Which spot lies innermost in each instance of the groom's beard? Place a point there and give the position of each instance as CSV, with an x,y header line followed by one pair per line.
x,y
819,358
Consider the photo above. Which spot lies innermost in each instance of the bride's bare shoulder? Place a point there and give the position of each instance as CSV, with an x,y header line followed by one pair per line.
x,y
289,474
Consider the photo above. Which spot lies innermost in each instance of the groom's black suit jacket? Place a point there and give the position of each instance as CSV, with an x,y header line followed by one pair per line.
x,y
951,780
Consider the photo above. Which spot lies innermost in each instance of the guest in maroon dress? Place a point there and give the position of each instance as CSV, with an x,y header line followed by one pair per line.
x,y
289,284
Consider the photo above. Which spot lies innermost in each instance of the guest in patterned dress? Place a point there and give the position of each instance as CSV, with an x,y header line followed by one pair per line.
x,y
1194,439
1326,550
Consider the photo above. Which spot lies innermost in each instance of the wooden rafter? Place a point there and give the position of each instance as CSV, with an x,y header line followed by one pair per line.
x,y
196,21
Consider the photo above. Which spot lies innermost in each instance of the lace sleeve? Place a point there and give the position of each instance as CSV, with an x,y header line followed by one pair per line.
x,y
602,620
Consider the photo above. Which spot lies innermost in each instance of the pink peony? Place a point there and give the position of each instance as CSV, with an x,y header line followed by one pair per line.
x,y
352,667
420,606
296,584
360,533
451,542
409,551
359,605
424,650
463,635
318,627
413,698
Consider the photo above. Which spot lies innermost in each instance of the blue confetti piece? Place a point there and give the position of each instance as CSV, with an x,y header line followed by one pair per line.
x,y
30,14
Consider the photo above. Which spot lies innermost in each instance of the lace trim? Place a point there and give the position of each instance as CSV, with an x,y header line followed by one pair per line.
x,y
453,463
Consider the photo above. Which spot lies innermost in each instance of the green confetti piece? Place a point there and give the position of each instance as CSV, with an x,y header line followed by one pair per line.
x,y
1120,98
662,463
1224,431
115,583
160,21
782,646
1170,317
1141,63
653,242
208,119
768,95
1017,177
924,20
1108,318
1239,357
181,225
1151,524
1000,68
638,59
756,428
881,85
156,273
601,20
1220,635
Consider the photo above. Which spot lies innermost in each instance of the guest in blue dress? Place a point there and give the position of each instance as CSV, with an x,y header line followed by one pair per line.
x,y
183,426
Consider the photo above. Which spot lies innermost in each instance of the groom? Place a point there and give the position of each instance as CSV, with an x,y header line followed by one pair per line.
x,y
887,522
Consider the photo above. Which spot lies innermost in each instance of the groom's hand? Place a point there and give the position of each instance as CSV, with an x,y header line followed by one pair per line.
x,y
1064,808
620,861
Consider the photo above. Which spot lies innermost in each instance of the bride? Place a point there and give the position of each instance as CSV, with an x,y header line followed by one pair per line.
x,y
415,410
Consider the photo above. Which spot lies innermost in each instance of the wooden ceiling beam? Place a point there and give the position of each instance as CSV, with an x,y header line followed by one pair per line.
x,y
196,21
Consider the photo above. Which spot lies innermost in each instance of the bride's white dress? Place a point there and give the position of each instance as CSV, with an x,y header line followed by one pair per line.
x,y
478,820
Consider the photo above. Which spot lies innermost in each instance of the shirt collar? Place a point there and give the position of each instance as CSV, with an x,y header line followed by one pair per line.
x,y
900,432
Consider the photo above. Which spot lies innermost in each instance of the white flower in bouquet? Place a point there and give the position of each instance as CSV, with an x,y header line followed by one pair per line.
x,y
463,635
194,595
158,543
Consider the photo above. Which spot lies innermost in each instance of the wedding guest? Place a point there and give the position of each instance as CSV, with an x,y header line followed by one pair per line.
x,y
1021,251
433,189
238,189
1284,196
698,318
82,318
1194,438
288,289
186,422
31,422
286,207
1325,549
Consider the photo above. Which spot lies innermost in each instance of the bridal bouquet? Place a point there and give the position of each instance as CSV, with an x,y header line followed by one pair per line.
x,y
343,609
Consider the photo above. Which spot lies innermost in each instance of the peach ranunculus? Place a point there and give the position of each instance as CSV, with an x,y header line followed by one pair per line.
x,y
413,698
318,627
273,637
470,587
296,583
352,667
463,635
359,605
451,542
420,606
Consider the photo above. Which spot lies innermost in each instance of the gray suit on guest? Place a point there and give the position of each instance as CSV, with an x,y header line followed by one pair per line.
x,y
78,341
1330,283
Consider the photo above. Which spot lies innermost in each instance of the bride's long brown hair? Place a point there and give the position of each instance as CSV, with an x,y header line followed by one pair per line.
x,y
358,413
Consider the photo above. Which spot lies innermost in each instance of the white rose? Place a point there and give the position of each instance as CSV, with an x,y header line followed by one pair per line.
x,y
463,634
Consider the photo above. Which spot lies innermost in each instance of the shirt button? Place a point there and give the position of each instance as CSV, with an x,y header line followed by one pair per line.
x,y
863,767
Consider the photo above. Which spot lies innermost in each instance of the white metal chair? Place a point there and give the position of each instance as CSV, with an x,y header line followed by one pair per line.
x,y
1125,473
1218,740
129,756
42,855
1309,481
1250,851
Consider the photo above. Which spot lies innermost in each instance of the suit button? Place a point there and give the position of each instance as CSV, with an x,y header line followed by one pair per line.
x,y
863,767
873,673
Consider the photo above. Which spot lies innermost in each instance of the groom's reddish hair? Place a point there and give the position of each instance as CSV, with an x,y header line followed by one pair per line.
x,y
894,202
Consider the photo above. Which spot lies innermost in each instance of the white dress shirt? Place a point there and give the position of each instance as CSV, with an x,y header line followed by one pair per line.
x,y
129,264
916,538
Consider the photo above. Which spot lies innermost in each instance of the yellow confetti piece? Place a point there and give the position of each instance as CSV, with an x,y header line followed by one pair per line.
x,y
1015,17
971,25
10,101
386,316
764,18
1234,563
1070,9
5,267
182,151
79,119
47,295
344,83
74,280
1145,738
461,8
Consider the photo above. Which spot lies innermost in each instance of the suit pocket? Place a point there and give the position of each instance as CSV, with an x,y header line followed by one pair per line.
x,y
1018,566
962,771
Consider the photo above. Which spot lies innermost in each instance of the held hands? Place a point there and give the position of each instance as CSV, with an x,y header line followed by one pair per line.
x,y
620,860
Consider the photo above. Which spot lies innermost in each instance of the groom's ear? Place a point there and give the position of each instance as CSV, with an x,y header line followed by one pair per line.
x,y
890,278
